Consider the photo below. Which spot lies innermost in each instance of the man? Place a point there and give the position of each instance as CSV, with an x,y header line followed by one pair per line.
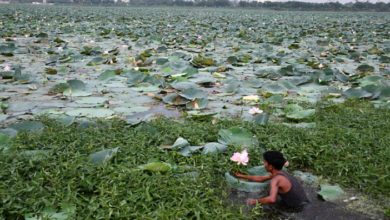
x,y
282,183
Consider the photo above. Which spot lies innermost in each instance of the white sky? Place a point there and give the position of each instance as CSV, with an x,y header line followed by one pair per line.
x,y
341,1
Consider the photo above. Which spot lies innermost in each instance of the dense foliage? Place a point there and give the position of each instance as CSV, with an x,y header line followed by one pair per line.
x,y
350,145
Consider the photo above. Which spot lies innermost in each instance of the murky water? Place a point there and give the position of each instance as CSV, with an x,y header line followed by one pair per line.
x,y
364,208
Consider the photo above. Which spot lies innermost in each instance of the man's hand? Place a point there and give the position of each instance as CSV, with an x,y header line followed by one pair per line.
x,y
251,201
239,175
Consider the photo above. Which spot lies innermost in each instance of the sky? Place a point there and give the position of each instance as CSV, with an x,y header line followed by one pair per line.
x,y
341,1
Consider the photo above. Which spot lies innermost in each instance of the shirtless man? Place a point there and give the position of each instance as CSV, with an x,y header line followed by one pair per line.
x,y
282,183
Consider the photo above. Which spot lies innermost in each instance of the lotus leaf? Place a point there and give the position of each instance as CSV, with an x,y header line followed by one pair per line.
x,y
302,114
102,157
90,112
214,148
329,192
238,137
29,126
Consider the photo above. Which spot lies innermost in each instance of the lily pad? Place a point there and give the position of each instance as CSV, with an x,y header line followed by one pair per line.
x,y
157,167
187,151
175,99
29,126
67,120
302,114
76,93
102,157
192,93
238,137
243,185
359,93
5,141
329,192
90,112
214,148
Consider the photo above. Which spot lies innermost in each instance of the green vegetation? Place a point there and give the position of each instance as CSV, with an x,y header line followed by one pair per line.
x,y
86,84
349,145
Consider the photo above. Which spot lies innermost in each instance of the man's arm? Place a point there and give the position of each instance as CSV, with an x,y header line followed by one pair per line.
x,y
272,195
254,178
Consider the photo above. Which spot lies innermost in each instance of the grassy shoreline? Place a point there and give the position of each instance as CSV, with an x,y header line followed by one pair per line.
x,y
349,145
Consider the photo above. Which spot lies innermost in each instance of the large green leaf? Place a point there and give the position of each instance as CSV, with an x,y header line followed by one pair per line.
x,y
302,114
157,167
108,74
192,93
5,141
187,151
175,99
260,118
198,103
30,126
179,143
328,192
244,185
67,120
214,148
90,112
238,137
102,157
359,93
76,93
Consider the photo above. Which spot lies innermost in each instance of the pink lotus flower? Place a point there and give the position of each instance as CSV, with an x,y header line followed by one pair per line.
x,y
38,29
353,40
287,164
15,39
60,49
199,37
92,41
240,157
320,66
125,46
7,68
106,52
255,110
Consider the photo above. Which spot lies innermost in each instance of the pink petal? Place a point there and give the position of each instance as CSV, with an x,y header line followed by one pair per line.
x,y
235,157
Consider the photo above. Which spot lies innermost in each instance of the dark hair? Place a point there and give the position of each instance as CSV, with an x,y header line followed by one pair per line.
x,y
274,158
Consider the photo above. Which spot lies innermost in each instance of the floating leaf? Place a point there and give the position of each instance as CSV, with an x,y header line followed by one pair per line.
x,y
327,192
243,185
192,93
302,114
90,112
359,93
108,74
238,137
5,141
260,118
29,126
214,148
157,167
76,93
102,157
187,151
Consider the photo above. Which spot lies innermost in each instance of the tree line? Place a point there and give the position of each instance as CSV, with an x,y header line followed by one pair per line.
x,y
285,6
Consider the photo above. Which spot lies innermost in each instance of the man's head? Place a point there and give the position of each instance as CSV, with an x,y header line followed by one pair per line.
x,y
275,159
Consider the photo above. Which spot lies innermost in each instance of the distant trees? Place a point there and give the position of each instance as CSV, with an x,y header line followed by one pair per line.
x,y
287,6
329,6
